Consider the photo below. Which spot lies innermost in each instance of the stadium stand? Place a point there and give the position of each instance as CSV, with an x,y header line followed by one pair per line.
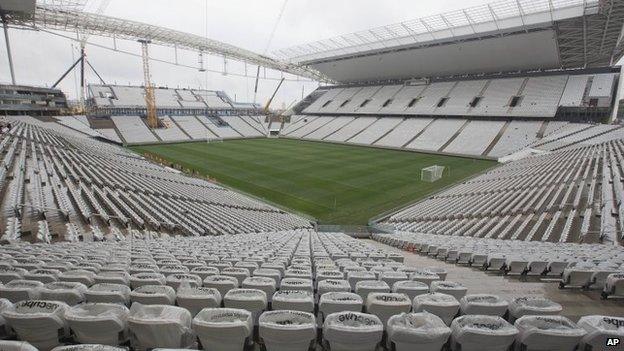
x,y
134,128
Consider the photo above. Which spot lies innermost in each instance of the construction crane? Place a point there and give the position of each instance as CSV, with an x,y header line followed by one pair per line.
x,y
150,98
268,105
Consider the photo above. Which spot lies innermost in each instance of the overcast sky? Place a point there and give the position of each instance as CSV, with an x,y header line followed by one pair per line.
x,y
40,58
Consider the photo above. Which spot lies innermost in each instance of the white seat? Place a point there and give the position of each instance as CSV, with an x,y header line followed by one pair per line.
x,y
333,285
599,329
290,283
351,331
533,305
72,293
41,323
333,302
252,300
365,287
43,275
424,276
89,347
483,304
5,330
239,273
547,333
354,277
153,295
287,330
295,300
223,329
99,323
160,326
138,280
410,288
417,331
78,276
577,276
6,345
265,284
205,271
115,277
19,290
392,277
386,305
8,273
441,272
442,305
196,299
482,333
614,285
450,288
174,280
222,283
108,293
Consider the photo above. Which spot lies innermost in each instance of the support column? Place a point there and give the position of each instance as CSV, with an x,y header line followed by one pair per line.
x,y
8,48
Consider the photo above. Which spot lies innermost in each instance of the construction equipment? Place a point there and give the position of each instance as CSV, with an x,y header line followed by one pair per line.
x,y
150,98
268,105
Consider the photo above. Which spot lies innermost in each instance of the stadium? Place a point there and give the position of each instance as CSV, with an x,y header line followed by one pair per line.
x,y
450,182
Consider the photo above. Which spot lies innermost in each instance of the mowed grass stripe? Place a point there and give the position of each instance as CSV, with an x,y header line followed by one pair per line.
x,y
337,184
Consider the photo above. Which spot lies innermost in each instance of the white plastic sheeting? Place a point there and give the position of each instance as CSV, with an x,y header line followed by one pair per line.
x,y
99,323
482,333
223,329
600,329
195,299
548,333
160,326
483,304
38,322
287,330
418,331
442,305
533,305
353,331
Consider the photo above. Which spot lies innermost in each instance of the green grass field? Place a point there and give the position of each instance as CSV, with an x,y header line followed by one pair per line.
x,y
337,184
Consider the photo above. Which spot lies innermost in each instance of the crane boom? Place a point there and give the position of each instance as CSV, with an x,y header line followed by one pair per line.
x,y
150,98
268,105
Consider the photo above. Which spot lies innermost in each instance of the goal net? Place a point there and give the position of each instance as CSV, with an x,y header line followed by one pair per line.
x,y
431,174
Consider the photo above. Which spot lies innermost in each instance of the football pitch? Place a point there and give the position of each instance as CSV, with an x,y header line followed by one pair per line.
x,y
336,184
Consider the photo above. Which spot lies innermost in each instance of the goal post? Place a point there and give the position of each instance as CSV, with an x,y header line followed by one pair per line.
x,y
432,173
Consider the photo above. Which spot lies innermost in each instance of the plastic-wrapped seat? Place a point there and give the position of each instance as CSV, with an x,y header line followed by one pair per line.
x,y
252,300
43,275
99,323
450,288
287,330
296,300
441,272
417,331
160,326
392,277
333,302
410,288
265,284
599,278
6,345
222,283
386,305
138,280
599,330
547,333
533,305
346,331
424,276
442,305
19,290
483,304
291,283
195,299
89,347
5,330
577,276
205,271
153,295
365,287
333,285
122,278
72,293
556,268
82,276
223,329
41,323
108,293
614,285
269,273
239,273
482,333
174,280
354,277
8,274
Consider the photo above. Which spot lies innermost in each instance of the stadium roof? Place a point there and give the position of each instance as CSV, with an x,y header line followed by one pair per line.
x,y
506,36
